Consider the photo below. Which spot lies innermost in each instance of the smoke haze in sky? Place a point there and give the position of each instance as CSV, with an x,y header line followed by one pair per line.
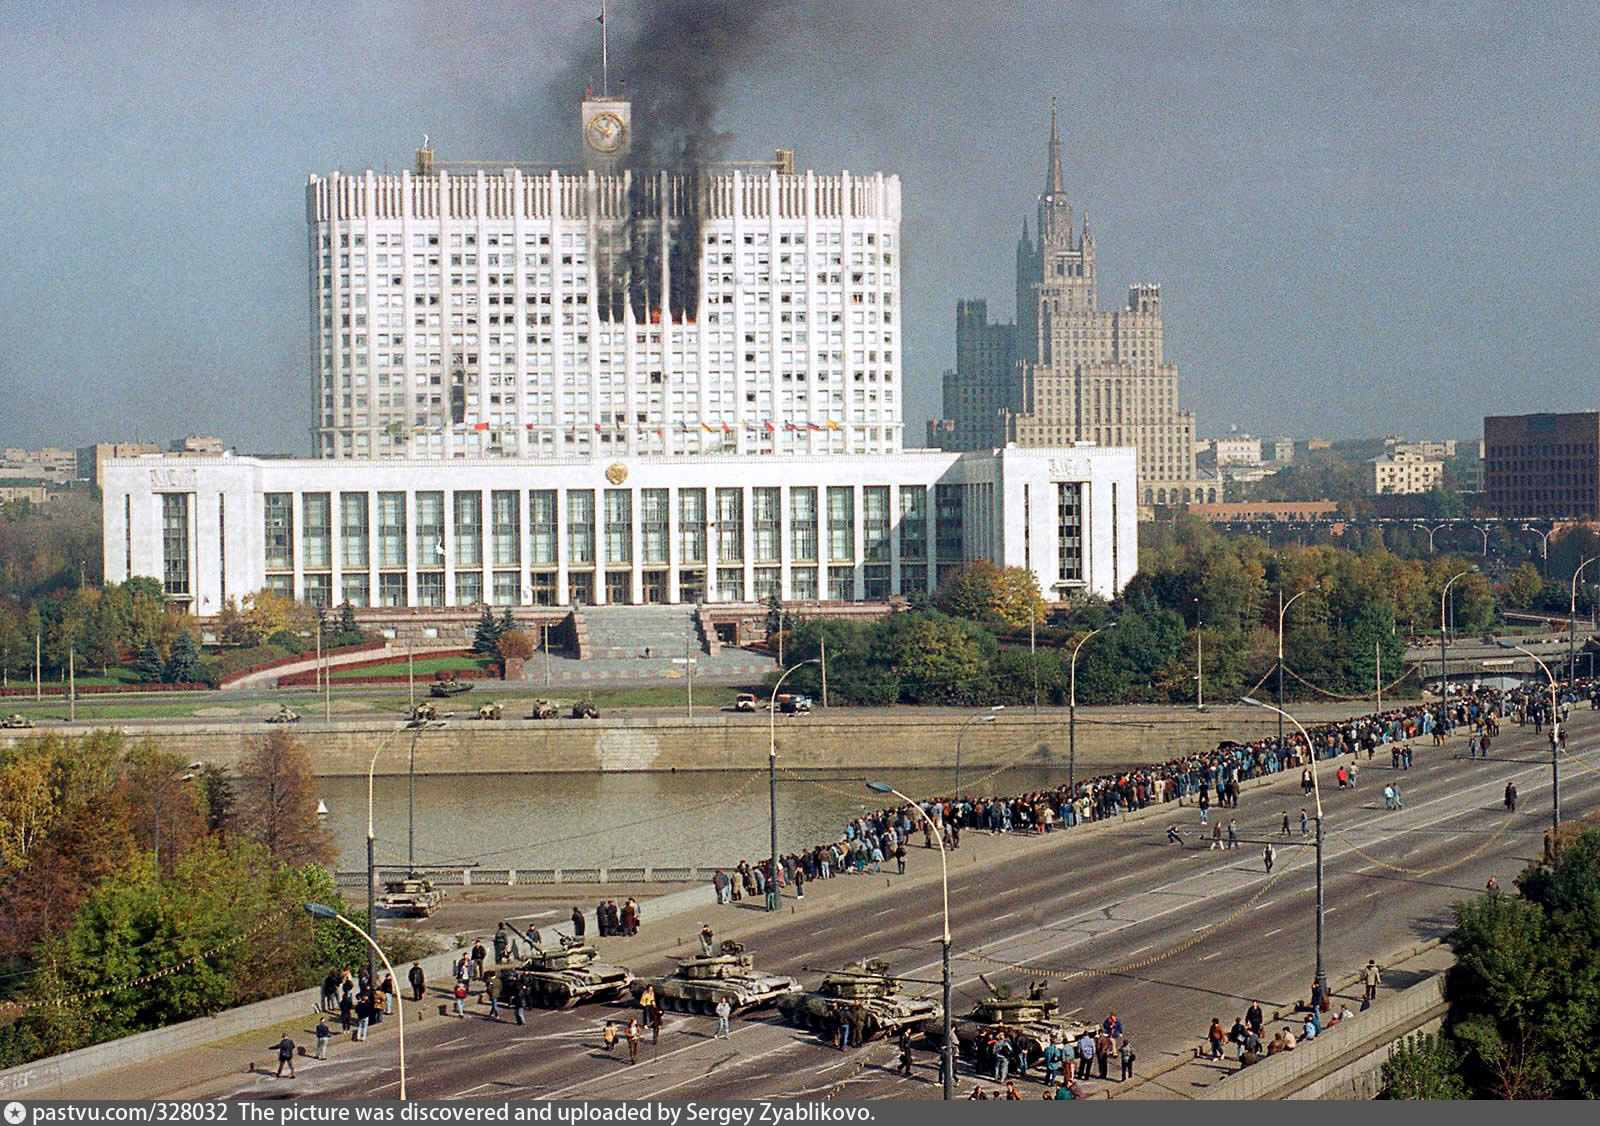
x,y
1367,219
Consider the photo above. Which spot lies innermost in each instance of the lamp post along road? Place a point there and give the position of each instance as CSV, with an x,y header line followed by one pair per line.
x,y
1555,737
1283,608
1444,671
1572,620
981,717
1072,710
322,911
1316,788
947,1052
774,898
372,866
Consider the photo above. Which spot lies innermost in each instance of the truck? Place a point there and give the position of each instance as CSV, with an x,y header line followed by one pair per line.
x,y
794,705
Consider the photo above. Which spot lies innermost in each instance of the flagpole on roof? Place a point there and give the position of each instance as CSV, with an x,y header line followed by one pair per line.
x,y
605,58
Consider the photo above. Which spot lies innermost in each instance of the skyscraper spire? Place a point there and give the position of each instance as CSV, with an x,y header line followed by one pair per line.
x,y
1053,180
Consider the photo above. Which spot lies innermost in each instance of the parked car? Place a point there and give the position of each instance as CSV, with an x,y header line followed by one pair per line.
x,y
745,702
795,704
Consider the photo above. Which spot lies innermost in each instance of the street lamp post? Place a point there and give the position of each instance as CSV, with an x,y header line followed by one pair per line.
x,y
414,726
322,911
1430,531
1316,788
1444,672
1283,608
1572,620
947,1051
1555,738
1072,710
1544,548
774,896
1484,532
981,717
160,793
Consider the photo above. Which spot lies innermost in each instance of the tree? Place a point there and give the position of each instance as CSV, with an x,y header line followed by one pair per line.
x,y
151,668
1424,1067
183,662
487,635
27,801
983,592
506,622
514,645
1523,588
266,613
276,802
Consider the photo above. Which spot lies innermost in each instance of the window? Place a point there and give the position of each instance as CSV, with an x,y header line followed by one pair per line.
x,y
875,582
803,526
692,529
769,584
430,586
358,589
507,530
653,508
469,537
580,584
580,531
619,526
543,584
469,588
175,543
803,584
730,583
507,588
392,589
842,584
430,532
316,530
280,531
947,523
542,530
1069,531
765,512
318,591
875,525
730,526
841,524
914,578
391,537
913,522
353,531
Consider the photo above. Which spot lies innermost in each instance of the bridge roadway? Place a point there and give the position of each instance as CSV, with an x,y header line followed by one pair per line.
x,y
1114,899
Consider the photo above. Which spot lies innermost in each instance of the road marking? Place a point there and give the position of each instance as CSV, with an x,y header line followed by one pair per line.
x,y
1272,932
1008,915
1218,954
1263,903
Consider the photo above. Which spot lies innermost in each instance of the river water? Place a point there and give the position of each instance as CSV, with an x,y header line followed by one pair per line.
x,y
621,820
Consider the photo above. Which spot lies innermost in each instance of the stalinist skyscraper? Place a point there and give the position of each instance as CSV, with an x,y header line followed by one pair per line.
x,y
1065,371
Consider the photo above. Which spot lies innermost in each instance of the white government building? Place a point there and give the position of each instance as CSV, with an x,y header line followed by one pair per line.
x,y
632,530
610,387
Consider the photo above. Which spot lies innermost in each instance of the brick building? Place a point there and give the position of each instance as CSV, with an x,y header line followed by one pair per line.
x,y
1543,465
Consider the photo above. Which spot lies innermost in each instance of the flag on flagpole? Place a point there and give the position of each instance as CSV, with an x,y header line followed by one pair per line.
x,y
726,429
768,424
832,425
706,426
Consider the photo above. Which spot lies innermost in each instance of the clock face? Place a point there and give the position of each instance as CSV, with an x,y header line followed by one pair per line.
x,y
605,132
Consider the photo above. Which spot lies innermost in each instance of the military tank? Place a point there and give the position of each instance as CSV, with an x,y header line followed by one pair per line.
x,y
563,977
449,686
1035,1016
864,986
705,979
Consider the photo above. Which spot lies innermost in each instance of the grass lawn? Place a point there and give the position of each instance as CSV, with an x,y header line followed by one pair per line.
x,y
422,669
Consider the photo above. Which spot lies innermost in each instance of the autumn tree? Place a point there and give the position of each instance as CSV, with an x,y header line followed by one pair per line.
x,y
514,645
981,591
275,802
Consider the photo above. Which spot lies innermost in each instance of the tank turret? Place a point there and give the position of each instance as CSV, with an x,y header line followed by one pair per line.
x,y
865,990
701,981
561,976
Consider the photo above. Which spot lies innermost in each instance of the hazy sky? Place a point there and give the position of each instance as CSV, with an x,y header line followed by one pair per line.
x,y
1366,221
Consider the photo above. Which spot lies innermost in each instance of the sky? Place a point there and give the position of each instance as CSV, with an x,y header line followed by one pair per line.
x,y
1367,218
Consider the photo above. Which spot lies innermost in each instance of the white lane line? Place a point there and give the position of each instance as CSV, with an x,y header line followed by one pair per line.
x,y
1218,954
1008,915
1263,903
1136,950
1272,932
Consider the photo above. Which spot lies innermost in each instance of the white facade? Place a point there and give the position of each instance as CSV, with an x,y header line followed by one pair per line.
x,y
509,313
634,529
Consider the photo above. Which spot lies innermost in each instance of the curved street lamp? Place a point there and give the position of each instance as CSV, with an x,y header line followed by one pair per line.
x,y
774,896
1316,788
1444,672
1072,710
981,717
1572,620
414,726
947,1052
1555,737
323,911
1283,608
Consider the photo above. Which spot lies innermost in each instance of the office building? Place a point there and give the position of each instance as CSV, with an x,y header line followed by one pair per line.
x,y
1544,466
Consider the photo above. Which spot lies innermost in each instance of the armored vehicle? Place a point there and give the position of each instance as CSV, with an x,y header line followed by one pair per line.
x,y
544,709
17,719
701,981
426,712
865,987
491,710
410,896
561,978
449,686
286,714
1035,1016
585,709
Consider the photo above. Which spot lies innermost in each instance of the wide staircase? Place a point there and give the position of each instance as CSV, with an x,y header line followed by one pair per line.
x,y
658,632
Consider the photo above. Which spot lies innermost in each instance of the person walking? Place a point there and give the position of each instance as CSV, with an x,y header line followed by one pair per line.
x,y
1388,796
724,1011
1268,855
461,999
1216,836
364,1012
1174,836
1233,833
1085,1054
323,1034
608,1037
906,1055
1399,803
652,1017
1128,1057
479,956
1283,830
417,979
1305,828
633,1040
1215,1036
286,1051
1371,978
577,923
1511,797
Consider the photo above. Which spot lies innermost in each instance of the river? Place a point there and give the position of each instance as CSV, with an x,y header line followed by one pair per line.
x,y
622,819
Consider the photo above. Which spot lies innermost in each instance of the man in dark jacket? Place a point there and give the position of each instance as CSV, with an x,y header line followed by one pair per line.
x,y
577,923
417,980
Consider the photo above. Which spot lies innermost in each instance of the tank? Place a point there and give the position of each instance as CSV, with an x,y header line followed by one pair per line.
x,y
700,982
563,977
425,712
585,709
1034,1015
449,686
410,896
285,714
17,719
544,709
491,710
865,986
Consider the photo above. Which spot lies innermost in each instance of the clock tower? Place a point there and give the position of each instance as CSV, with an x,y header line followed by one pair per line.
x,y
607,128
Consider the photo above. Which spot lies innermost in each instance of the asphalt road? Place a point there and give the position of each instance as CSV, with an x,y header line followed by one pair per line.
x,y
1119,919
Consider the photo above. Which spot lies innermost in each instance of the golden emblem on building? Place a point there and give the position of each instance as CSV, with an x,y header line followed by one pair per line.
x,y
616,473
